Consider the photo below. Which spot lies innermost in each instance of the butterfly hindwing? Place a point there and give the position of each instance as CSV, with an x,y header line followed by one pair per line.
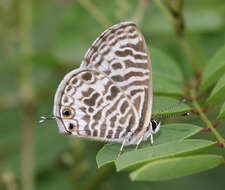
x,y
99,109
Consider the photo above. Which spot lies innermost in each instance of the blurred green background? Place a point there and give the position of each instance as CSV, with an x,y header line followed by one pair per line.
x,y
40,41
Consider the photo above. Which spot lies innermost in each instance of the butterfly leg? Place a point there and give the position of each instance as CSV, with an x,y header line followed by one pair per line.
x,y
151,139
121,148
139,141
127,139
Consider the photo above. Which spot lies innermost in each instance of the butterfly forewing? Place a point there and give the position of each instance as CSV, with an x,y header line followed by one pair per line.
x,y
121,53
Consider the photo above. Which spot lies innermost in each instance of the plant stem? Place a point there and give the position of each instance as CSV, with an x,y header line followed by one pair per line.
x,y
93,10
205,119
141,9
164,10
26,95
175,18
122,10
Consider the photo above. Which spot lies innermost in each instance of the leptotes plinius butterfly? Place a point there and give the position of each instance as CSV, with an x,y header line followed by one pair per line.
x,y
109,98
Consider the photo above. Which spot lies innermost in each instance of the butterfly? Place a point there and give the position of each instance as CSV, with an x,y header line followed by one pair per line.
x,y
109,98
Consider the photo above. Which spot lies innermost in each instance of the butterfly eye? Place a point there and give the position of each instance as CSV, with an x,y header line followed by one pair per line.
x,y
67,113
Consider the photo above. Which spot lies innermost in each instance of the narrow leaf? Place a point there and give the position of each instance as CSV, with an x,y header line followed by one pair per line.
x,y
171,168
222,113
135,159
214,70
218,91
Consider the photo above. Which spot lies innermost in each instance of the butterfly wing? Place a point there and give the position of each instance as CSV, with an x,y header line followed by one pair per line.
x,y
110,96
89,105
121,54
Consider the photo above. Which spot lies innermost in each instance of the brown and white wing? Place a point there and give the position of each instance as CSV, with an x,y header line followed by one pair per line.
x,y
121,53
98,108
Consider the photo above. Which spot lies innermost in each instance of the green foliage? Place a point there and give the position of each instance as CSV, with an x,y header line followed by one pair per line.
x,y
210,20
171,168
175,148
222,112
43,40
161,63
218,91
214,69
170,133
170,142
165,83
133,159
175,107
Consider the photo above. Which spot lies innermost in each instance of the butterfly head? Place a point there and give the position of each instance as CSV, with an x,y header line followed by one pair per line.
x,y
66,125
155,126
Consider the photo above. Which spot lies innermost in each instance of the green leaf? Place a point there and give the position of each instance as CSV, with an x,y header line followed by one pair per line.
x,y
214,70
171,168
168,133
169,82
218,91
135,159
168,106
222,112
210,20
161,63
164,87
176,131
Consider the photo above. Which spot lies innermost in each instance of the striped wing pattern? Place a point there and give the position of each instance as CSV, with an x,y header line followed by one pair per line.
x,y
121,53
100,109
119,65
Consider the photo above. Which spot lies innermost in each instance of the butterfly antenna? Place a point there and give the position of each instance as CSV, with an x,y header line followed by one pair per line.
x,y
43,119
161,116
173,115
